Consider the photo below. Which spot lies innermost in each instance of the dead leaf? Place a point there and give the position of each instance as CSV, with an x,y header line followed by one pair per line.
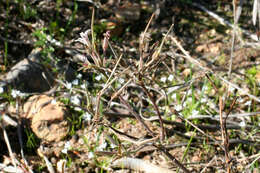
x,y
47,117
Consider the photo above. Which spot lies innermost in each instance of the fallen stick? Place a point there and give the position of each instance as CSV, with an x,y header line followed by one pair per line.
x,y
139,165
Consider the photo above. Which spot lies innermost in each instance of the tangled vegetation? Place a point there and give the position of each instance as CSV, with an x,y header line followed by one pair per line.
x,y
110,86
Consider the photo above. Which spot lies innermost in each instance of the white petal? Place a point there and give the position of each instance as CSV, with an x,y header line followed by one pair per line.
x,y
75,100
163,79
178,107
90,155
75,82
170,77
1,90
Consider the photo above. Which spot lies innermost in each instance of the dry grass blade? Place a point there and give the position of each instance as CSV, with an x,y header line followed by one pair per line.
x,y
95,56
254,161
255,11
48,163
187,55
8,145
236,12
92,29
224,116
114,69
239,10
8,120
212,160
158,50
141,44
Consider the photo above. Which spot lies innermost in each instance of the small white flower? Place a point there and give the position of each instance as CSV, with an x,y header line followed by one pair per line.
x,y
240,100
187,101
203,100
16,93
177,107
83,86
132,49
121,80
1,90
113,104
163,79
79,76
189,92
172,89
67,147
68,85
64,151
86,116
113,146
84,38
98,77
242,124
248,103
75,100
75,82
90,155
53,101
205,88
194,112
76,108
102,146
81,57
170,77
174,96
231,89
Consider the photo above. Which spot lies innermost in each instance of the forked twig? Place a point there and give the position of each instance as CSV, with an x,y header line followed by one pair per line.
x,y
108,83
118,92
136,115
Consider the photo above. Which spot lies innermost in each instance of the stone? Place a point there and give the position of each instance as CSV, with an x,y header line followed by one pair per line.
x,y
29,75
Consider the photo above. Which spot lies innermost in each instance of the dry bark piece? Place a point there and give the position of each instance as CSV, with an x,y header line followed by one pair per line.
x,y
48,117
